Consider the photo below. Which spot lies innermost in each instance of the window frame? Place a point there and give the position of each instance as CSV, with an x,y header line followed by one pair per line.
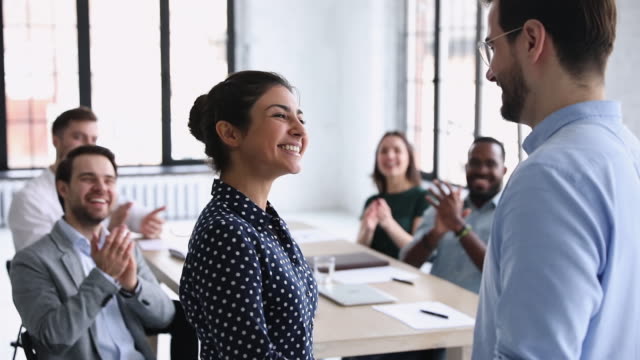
x,y
84,74
416,122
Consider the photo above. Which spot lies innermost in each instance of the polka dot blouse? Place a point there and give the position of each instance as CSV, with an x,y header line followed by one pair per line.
x,y
245,285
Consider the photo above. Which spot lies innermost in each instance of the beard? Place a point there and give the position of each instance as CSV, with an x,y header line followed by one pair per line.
x,y
481,197
85,217
514,94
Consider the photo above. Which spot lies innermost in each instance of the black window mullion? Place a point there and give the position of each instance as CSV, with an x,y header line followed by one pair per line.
x,y
436,87
84,52
165,76
231,37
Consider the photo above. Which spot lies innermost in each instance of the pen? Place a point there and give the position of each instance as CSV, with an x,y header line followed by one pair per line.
x,y
434,313
402,281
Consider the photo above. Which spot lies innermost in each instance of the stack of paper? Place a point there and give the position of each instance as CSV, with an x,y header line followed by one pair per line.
x,y
412,315
372,275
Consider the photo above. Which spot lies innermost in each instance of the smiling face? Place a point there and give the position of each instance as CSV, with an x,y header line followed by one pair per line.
x,y
79,132
506,70
392,157
276,139
485,171
91,192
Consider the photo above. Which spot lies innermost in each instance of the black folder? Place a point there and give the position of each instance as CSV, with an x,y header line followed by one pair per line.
x,y
355,260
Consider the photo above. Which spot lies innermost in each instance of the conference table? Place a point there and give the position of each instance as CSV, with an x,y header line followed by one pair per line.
x,y
361,330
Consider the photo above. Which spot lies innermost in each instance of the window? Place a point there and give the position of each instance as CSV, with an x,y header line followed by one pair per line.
x,y
148,62
198,58
40,80
449,100
126,91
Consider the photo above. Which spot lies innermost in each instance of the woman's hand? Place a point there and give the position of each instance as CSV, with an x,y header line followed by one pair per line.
x,y
385,217
370,216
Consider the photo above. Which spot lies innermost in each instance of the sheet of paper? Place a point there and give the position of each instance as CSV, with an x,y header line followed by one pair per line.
x,y
411,315
152,244
311,235
371,275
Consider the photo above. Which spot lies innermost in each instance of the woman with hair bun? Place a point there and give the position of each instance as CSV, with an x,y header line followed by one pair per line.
x,y
246,287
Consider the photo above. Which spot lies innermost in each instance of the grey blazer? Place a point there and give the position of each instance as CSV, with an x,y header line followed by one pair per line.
x,y
58,304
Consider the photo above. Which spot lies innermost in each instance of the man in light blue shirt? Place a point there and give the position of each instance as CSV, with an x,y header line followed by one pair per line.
x,y
561,274
84,293
453,233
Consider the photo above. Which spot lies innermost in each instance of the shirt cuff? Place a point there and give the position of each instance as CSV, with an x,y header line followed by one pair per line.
x,y
110,278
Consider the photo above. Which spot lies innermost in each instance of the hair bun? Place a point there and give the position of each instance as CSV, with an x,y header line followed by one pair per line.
x,y
197,116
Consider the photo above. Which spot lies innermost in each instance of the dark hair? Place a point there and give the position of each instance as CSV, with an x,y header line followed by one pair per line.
x,y
230,100
583,31
61,123
490,140
412,174
65,168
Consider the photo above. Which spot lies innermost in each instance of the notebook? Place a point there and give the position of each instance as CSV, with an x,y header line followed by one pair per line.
x,y
355,260
354,294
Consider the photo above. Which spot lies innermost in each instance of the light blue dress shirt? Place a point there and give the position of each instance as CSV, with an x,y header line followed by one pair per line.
x,y
450,261
114,338
562,272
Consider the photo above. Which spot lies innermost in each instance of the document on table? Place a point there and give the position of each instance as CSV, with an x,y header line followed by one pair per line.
x,y
311,235
371,275
176,249
412,315
152,244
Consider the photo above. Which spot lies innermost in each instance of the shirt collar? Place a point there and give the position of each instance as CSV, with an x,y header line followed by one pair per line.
x,y
558,119
239,203
493,202
78,240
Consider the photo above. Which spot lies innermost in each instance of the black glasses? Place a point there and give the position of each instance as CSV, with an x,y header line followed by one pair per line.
x,y
486,47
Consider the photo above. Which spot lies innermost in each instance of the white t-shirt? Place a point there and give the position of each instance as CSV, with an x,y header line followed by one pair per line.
x,y
36,208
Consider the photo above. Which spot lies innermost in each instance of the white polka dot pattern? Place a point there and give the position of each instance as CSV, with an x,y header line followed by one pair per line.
x,y
245,285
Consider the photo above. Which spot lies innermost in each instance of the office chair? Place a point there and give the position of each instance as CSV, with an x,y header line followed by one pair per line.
x,y
27,345
16,344
23,339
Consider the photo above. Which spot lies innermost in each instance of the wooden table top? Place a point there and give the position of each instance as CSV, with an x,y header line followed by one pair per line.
x,y
361,330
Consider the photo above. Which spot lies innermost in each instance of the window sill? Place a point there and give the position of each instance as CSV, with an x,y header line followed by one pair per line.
x,y
124,171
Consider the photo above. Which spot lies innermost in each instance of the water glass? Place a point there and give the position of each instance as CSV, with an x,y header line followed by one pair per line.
x,y
323,268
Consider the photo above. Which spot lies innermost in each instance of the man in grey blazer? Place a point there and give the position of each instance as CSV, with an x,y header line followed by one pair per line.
x,y
84,293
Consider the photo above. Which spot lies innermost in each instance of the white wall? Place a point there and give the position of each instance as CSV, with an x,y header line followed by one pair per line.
x,y
344,58
623,75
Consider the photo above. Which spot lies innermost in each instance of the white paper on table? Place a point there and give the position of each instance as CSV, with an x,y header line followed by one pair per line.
x,y
311,235
371,275
411,315
152,244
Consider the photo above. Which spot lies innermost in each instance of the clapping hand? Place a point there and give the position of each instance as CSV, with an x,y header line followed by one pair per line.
x,y
119,215
116,252
385,217
151,226
449,205
370,217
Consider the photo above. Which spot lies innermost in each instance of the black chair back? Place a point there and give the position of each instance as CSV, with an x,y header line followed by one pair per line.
x,y
27,345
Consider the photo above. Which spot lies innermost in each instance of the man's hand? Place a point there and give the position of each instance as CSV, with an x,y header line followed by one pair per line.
x,y
449,205
439,226
116,252
129,278
151,226
119,215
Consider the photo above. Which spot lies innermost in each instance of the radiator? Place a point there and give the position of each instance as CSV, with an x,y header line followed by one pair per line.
x,y
185,195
